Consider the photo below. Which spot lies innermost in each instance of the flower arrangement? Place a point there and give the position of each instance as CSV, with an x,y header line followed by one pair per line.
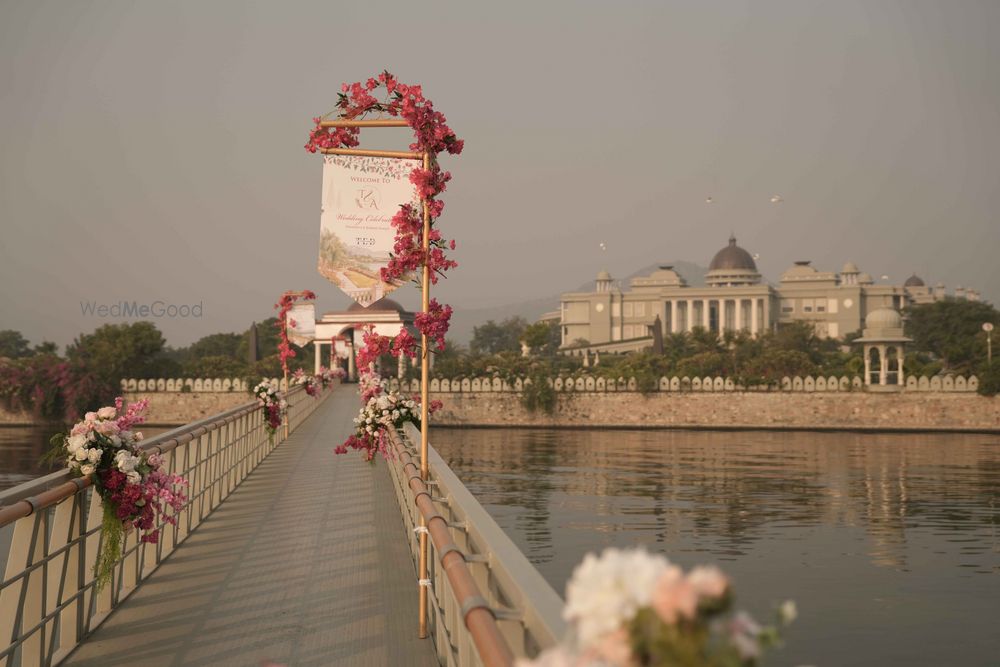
x,y
629,608
328,375
312,383
270,398
432,136
134,491
383,411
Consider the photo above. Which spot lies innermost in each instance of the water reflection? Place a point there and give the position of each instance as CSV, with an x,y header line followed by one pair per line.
x,y
870,532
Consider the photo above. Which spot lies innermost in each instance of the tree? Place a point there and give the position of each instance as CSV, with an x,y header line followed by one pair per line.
x,y
215,366
116,351
952,330
543,337
13,345
492,338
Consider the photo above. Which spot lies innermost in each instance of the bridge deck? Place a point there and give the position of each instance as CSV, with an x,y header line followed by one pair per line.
x,y
304,564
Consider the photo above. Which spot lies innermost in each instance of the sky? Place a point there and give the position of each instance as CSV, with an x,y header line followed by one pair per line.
x,y
152,151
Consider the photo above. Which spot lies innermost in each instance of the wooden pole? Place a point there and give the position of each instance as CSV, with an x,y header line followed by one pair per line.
x,y
425,286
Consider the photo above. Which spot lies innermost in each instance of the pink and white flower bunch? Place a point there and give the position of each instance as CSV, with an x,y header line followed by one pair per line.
x,y
327,376
312,383
135,492
272,400
384,411
629,608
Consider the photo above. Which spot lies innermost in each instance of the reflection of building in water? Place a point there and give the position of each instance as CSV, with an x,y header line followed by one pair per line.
x,y
730,490
734,299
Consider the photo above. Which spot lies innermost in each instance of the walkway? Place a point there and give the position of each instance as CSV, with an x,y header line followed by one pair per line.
x,y
305,564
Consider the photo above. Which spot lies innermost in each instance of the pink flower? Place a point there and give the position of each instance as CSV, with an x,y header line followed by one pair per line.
x,y
106,413
708,581
614,649
674,597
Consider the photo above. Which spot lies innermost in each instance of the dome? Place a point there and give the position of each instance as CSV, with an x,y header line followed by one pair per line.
x,y
732,257
914,281
883,318
604,275
865,279
382,305
850,267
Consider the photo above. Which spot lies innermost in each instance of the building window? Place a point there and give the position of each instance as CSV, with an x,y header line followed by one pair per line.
x,y
640,309
820,308
628,331
628,309
788,305
807,305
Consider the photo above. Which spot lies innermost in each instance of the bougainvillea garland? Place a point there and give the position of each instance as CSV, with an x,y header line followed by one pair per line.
x,y
432,136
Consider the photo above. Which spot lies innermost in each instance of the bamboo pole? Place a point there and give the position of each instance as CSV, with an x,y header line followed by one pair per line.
x,y
405,155
425,286
382,122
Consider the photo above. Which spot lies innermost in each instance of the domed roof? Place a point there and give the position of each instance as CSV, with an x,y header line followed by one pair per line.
x,y
914,281
384,304
883,318
732,257
865,279
603,275
850,267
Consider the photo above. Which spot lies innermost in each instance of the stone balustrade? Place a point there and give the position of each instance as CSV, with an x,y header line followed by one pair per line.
x,y
589,383
133,385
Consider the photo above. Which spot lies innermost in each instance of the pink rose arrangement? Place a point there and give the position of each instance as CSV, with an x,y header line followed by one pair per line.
x,y
432,136
327,376
134,491
629,608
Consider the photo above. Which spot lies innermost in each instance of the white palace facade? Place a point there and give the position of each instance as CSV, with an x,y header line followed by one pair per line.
x,y
734,298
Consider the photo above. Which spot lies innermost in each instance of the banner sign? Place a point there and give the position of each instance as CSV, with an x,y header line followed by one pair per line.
x,y
300,324
341,347
360,197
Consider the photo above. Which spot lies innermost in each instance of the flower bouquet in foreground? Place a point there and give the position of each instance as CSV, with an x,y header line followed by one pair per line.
x,y
631,608
134,491
270,398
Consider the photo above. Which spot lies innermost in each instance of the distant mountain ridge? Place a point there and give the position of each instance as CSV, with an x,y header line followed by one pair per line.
x,y
465,319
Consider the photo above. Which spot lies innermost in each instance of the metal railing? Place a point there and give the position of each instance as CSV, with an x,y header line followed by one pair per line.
x,y
524,612
48,597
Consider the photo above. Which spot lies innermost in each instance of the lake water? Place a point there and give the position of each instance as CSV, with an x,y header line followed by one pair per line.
x,y
22,447
889,543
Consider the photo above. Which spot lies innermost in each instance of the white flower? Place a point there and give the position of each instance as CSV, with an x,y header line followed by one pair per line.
x,y
788,612
607,591
81,454
94,455
75,442
125,462
133,477
106,413
87,469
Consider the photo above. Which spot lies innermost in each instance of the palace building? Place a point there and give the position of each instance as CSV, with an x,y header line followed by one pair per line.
x,y
734,298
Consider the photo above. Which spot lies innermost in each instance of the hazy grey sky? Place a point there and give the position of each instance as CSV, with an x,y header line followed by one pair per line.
x,y
153,150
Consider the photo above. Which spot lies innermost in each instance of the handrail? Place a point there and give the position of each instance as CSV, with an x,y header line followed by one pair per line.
x,y
48,596
521,605
33,495
476,613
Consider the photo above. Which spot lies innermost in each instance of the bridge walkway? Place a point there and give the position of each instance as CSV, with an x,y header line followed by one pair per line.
x,y
306,563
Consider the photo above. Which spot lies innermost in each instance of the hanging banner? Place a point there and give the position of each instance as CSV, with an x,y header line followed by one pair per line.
x,y
341,347
360,197
300,324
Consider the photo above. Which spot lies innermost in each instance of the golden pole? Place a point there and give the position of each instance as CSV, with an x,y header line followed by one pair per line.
x,y
424,425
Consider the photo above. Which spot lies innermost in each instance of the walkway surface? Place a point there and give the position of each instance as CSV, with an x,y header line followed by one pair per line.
x,y
305,563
